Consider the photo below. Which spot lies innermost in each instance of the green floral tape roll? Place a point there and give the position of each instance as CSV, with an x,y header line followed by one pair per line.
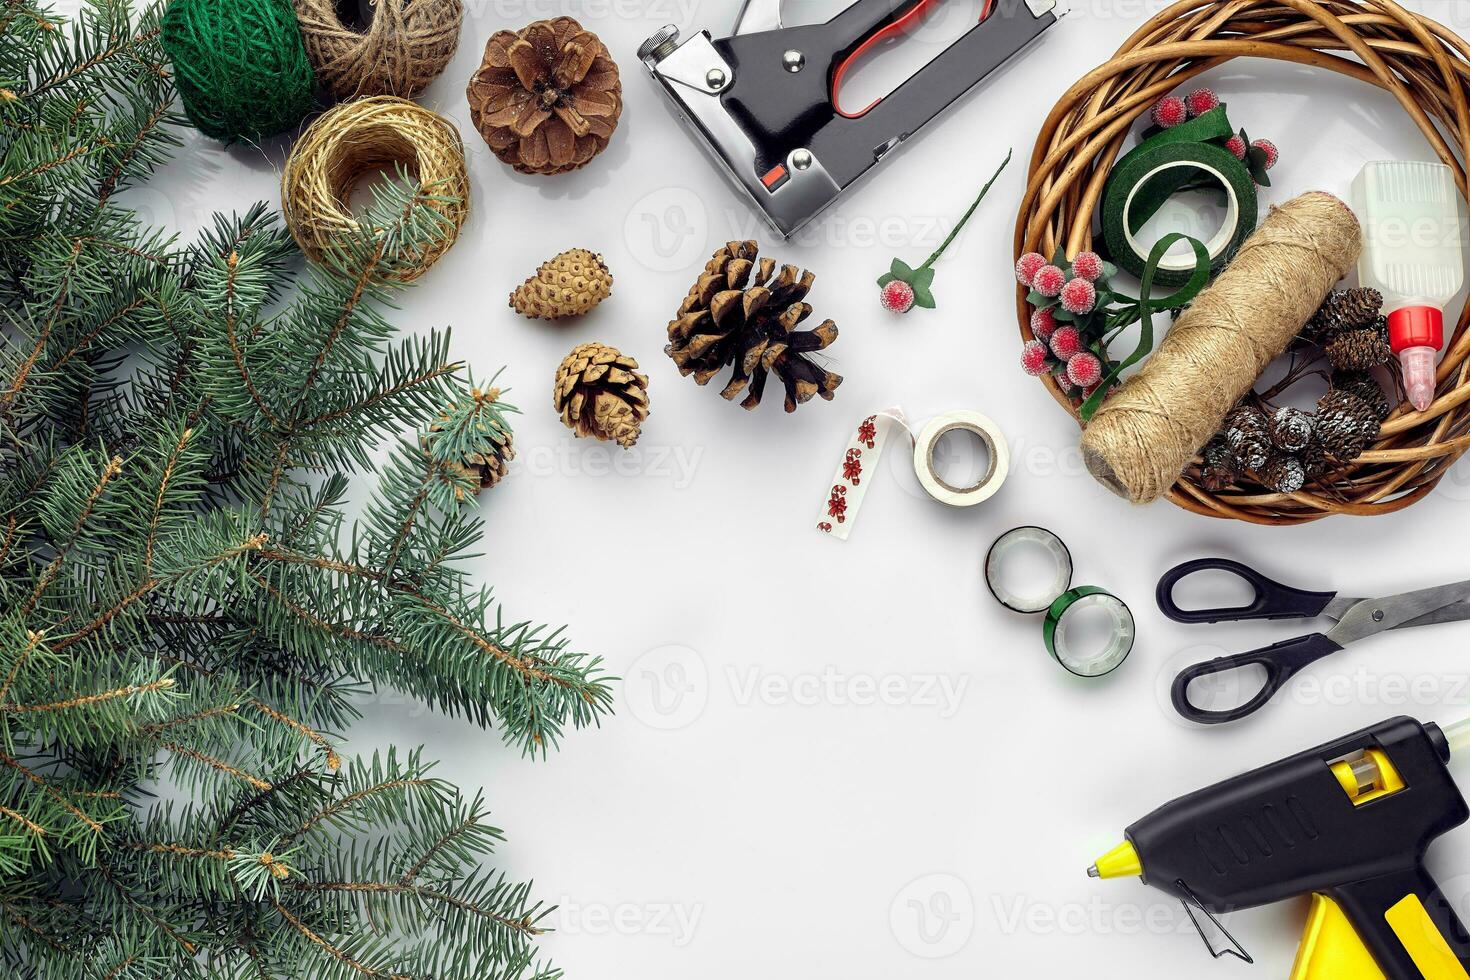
x,y
1147,177
1062,618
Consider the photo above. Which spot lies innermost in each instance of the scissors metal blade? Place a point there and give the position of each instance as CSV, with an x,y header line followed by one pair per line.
x,y
1421,607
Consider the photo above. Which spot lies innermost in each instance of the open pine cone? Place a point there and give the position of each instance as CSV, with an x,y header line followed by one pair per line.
x,y
600,393
546,98
741,314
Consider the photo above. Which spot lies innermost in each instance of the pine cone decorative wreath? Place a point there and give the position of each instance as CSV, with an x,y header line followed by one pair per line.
x,y
600,393
546,98
1420,63
743,314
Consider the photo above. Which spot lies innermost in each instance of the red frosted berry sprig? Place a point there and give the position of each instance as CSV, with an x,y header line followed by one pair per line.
x,y
904,287
1071,302
1258,156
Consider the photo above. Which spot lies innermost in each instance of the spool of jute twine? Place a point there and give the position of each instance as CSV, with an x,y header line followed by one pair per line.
x,y
404,46
356,139
1148,431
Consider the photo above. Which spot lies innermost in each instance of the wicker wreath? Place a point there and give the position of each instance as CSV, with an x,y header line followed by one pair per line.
x,y
1422,63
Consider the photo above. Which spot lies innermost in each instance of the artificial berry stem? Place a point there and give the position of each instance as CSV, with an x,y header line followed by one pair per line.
x,y
961,223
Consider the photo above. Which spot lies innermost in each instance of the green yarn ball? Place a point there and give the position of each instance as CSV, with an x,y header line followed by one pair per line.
x,y
240,66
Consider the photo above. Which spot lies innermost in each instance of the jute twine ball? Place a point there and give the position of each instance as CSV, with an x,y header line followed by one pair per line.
x,y
356,139
407,44
1423,65
240,66
1147,432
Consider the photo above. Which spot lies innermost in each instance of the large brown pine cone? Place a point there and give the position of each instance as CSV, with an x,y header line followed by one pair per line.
x,y
600,393
745,315
546,98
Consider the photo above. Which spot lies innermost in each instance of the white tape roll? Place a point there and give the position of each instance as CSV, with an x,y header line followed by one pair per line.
x,y
987,432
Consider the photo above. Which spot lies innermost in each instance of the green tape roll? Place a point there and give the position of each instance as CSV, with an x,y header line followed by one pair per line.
x,y
1073,601
1147,176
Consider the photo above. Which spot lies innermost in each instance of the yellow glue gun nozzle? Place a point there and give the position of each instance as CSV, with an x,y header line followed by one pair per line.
x,y
1121,862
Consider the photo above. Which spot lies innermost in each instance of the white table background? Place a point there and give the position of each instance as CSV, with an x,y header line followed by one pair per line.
x,y
847,760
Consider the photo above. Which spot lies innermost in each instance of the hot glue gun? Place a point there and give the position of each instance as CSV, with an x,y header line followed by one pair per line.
x,y
1347,823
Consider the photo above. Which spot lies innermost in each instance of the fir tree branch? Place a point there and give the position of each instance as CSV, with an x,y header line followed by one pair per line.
x,y
129,151
367,272
377,398
246,804
46,166
351,800
33,640
443,841
153,728
14,916
523,924
87,700
156,514
106,871
7,397
148,585
52,792
232,264
23,820
92,334
112,469
217,764
81,68
336,953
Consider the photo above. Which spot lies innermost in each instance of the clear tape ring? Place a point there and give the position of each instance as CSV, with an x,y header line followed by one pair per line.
x,y
1080,599
995,560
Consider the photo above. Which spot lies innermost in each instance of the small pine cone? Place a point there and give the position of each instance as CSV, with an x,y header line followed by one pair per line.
x,y
1345,309
1366,387
1346,424
600,393
569,284
485,448
1358,349
1291,429
1283,473
1248,434
1314,460
1221,469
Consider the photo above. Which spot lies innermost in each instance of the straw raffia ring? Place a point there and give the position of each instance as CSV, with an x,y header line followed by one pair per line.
x,y
1424,65
407,44
355,139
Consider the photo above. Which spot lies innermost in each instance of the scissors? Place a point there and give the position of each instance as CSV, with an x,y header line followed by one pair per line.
x,y
1357,619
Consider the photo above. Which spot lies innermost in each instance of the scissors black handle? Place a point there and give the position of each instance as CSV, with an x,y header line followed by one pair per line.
x,y
1273,600
1281,662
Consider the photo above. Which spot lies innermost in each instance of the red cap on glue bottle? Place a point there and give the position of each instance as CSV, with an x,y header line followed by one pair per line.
x,y
1416,333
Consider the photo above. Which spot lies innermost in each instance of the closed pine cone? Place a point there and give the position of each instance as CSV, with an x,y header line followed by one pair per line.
x,y
1358,348
743,315
1346,424
569,284
1366,387
1345,309
600,393
546,98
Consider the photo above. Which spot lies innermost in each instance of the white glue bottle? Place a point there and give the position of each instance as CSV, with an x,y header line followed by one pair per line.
x,y
1411,254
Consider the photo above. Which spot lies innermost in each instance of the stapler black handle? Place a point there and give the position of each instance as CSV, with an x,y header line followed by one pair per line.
x,y
1005,27
863,25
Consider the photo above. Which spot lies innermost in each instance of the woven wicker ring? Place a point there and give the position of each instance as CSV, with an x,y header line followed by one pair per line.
x,y
1423,64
